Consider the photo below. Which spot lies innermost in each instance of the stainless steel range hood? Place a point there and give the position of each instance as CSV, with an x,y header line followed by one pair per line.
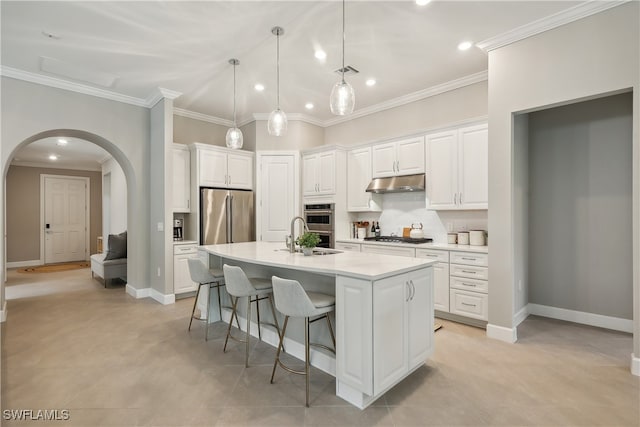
x,y
397,184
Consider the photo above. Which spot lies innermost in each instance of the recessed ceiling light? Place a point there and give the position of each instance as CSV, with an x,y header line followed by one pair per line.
x,y
62,142
371,82
422,2
259,87
321,54
308,106
53,157
464,45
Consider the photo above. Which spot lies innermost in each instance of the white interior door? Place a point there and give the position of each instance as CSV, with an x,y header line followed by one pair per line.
x,y
277,205
65,219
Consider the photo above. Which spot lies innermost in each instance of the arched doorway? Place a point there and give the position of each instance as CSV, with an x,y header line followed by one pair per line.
x,y
117,155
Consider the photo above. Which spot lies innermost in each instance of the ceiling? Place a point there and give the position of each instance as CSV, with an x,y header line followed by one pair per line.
x,y
76,154
131,48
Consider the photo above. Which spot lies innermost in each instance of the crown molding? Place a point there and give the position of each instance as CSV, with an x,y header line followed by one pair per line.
x,y
203,117
159,93
67,85
291,117
411,97
550,22
44,165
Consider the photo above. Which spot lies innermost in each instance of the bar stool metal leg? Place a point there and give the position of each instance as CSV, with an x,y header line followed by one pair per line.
x,y
306,358
206,324
234,303
281,345
246,353
194,306
258,317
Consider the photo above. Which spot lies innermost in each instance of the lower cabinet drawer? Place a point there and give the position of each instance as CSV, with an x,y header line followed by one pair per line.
x,y
354,247
470,271
442,256
473,285
469,304
389,250
184,249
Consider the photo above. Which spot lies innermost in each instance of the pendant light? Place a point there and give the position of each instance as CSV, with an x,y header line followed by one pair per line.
x,y
234,135
277,124
342,99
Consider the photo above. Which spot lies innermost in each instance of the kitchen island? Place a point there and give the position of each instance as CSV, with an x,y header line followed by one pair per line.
x,y
383,317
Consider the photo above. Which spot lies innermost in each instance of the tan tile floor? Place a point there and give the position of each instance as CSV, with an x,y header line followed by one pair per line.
x,y
115,361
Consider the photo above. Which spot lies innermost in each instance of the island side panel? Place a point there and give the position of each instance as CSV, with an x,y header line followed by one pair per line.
x,y
354,334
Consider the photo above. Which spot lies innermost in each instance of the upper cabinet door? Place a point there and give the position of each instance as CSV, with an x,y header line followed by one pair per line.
x,y
240,171
181,180
473,174
358,178
384,160
442,170
410,156
327,172
310,174
212,168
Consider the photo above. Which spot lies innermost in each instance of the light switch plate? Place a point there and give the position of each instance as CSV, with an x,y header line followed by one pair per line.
x,y
160,226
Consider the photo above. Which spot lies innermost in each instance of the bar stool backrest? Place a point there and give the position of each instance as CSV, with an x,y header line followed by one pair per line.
x,y
199,272
237,282
291,299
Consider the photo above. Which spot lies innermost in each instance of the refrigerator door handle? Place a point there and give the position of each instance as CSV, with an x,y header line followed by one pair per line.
x,y
230,219
227,208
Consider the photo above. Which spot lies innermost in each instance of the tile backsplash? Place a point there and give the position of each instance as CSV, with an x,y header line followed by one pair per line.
x,y
400,210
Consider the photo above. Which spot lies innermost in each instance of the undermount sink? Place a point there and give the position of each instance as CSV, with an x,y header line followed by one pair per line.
x,y
316,251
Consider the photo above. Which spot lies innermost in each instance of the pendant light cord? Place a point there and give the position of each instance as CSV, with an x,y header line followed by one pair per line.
x,y
278,69
234,96
343,37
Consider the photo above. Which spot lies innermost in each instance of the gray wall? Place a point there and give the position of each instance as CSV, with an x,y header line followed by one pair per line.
x,y
580,244
23,210
521,210
187,130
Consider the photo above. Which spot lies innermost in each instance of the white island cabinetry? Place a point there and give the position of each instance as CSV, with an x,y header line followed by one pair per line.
x,y
380,301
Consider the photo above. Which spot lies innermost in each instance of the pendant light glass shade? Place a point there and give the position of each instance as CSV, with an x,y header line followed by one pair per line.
x,y
277,124
234,137
343,98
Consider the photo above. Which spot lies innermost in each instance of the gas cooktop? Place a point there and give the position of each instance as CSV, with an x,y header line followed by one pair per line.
x,y
398,239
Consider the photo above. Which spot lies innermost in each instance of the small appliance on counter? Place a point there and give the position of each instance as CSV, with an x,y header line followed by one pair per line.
x,y
477,238
178,230
463,238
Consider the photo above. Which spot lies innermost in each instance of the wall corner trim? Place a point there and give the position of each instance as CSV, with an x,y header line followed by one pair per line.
x,y
162,298
635,365
502,334
591,319
521,315
138,293
159,93
22,264
3,312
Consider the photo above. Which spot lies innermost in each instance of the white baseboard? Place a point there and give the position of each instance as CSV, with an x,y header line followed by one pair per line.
x,y
319,359
635,365
519,317
162,298
23,264
3,313
501,333
138,293
591,319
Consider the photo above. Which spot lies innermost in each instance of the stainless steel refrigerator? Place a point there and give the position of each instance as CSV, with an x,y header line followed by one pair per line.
x,y
226,216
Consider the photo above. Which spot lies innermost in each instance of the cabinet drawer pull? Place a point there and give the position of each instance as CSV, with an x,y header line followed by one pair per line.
x,y
432,256
469,272
468,284
469,259
469,305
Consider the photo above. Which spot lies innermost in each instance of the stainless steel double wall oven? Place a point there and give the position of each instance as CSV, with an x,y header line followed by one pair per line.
x,y
320,219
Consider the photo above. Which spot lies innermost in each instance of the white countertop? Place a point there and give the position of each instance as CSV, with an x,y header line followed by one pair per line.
x,y
440,246
351,264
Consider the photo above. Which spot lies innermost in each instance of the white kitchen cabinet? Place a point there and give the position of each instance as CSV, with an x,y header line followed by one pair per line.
x,y
181,179
440,277
402,326
457,168
353,247
224,168
468,284
388,250
181,278
405,157
358,178
319,173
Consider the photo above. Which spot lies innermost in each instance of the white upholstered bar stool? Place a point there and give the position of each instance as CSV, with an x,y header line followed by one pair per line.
x,y
293,301
214,278
255,290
